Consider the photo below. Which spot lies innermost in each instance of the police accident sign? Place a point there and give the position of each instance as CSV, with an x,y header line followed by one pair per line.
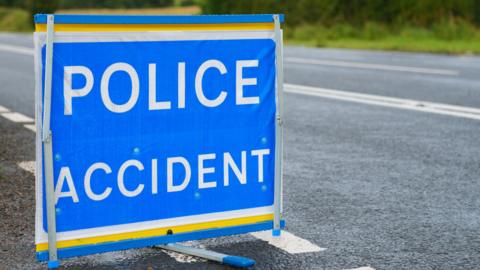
x,y
157,133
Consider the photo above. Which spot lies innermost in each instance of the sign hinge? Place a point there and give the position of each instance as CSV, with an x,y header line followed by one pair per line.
x,y
48,137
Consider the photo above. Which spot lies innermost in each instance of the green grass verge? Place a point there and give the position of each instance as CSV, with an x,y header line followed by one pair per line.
x,y
15,20
395,43
447,37
411,44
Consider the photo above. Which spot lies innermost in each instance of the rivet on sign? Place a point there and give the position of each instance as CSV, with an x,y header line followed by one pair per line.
x,y
264,188
197,195
58,157
264,140
58,211
136,150
169,232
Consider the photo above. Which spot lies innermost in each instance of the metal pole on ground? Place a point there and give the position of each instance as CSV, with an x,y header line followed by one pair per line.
x,y
235,261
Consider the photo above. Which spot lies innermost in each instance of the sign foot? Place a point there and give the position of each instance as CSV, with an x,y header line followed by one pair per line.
x,y
53,264
235,261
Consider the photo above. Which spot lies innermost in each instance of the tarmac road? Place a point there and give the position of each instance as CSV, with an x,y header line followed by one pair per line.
x,y
380,187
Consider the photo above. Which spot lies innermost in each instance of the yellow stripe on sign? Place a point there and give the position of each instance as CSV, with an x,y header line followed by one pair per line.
x,y
159,232
153,27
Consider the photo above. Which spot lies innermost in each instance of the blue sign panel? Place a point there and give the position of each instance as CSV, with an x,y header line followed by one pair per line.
x,y
154,130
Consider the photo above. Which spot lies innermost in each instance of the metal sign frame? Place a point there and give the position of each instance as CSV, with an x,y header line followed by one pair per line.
x,y
47,148
43,124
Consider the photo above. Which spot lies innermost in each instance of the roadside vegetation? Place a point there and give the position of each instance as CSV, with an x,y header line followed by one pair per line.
x,y
447,26
17,15
453,37
15,20
173,10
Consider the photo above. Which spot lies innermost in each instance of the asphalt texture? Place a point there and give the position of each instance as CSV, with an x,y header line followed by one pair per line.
x,y
375,186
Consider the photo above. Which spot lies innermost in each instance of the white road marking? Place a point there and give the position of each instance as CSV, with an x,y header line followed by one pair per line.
x,y
3,109
336,63
28,166
31,127
16,49
288,242
400,103
17,117
362,268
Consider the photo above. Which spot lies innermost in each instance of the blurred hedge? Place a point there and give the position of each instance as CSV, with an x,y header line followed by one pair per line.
x,y
114,3
420,13
15,20
41,6
48,6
